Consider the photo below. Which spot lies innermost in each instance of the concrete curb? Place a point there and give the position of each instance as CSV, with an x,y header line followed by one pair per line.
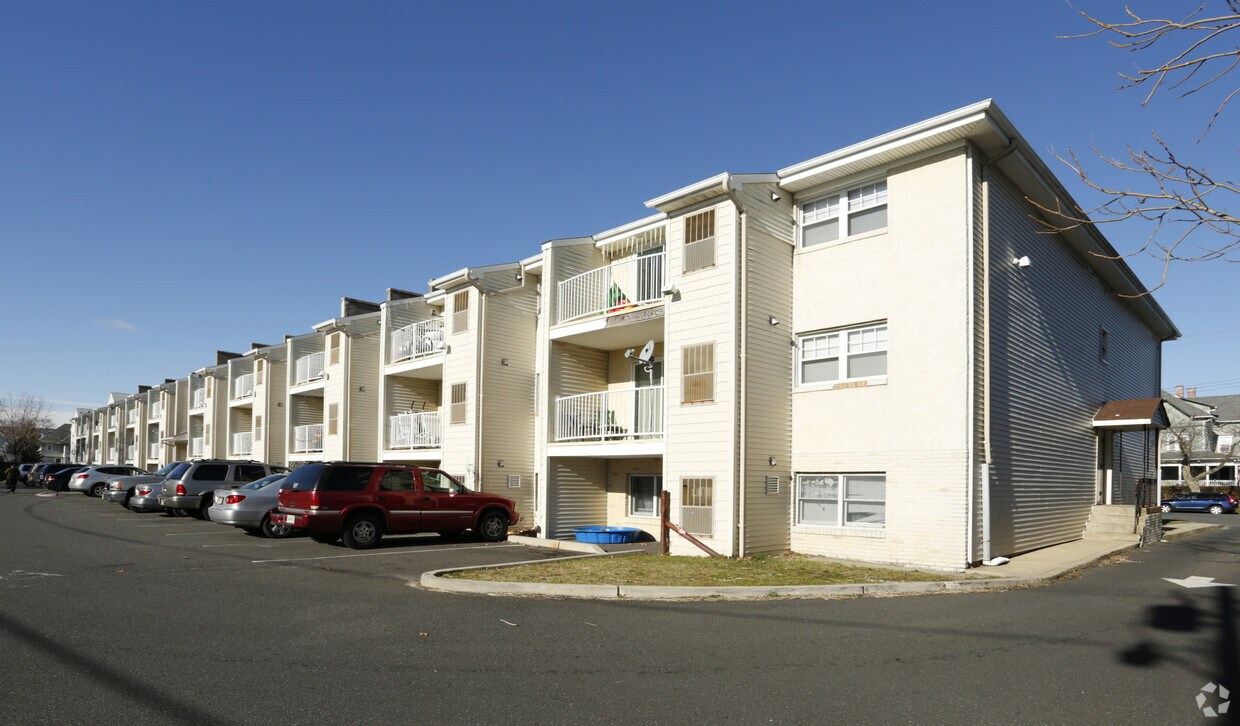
x,y
433,580
1187,529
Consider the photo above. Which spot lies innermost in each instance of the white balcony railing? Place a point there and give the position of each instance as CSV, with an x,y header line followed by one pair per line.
x,y
198,398
112,455
414,431
196,446
622,414
155,410
131,417
620,285
112,421
242,442
308,438
152,450
417,340
308,368
243,387
131,453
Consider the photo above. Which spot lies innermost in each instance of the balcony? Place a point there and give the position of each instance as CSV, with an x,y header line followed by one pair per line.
x,y
308,438
155,411
131,417
417,340
243,442
196,446
619,286
635,413
152,451
243,387
414,431
131,453
198,398
112,421
112,455
308,368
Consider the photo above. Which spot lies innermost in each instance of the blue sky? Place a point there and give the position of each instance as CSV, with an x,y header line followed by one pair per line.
x,y
177,178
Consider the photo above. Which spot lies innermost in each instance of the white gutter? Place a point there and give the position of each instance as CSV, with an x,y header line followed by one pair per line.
x,y
971,475
742,365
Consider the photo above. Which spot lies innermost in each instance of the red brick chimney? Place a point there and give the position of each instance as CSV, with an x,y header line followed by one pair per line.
x,y
1179,391
1192,393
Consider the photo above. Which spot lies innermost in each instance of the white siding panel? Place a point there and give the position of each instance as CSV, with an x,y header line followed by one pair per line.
x,y
363,397
577,495
507,399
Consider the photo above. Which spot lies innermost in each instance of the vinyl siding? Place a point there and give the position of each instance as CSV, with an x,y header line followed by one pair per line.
x,y
566,262
506,396
978,354
767,388
915,277
1046,378
271,403
577,495
702,437
618,472
460,365
362,397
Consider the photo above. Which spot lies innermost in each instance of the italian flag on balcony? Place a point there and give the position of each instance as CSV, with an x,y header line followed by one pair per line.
x,y
616,299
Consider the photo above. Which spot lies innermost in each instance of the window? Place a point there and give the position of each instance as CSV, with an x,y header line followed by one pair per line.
x,y
863,504
258,428
843,355
249,472
697,505
699,241
209,381
437,481
460,312
1224,445
1171,443
697,363
397,480
259,367
333,411
211,472
333,348
1104,345
644,494
342,479
456,411
858,211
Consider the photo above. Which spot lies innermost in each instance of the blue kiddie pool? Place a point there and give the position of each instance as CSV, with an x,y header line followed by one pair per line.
x,y
607,535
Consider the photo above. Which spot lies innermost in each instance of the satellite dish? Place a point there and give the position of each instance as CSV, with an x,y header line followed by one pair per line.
x,y
647,351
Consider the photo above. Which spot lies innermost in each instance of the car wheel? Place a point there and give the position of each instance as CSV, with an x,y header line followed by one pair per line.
x,y
201,512
272,530
450,533
362,532
492,526
324,537
1166,508
1216,509
125,501
97,490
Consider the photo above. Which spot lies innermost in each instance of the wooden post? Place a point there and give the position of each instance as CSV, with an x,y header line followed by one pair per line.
x,y
665,504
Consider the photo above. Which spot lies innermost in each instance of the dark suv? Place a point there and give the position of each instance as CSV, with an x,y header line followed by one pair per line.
x,y
191,486
359,503
1200,502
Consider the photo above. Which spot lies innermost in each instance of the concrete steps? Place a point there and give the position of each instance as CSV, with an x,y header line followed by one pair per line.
x,y
1112,522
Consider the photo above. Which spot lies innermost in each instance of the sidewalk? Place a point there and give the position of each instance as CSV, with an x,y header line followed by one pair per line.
x,y
1039,567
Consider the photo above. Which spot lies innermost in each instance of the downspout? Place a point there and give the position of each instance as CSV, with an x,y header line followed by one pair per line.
x,y
347,409
741,470
970,478
989,459
479,387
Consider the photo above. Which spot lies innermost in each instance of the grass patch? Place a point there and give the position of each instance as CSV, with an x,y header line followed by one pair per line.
x,y
764,571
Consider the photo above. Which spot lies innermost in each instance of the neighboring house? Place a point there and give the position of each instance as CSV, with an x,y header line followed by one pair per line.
x,y
794,316
55,448
1201,448
333,389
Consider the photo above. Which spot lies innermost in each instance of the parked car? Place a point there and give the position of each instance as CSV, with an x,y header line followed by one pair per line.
x,y
58,480
23,473
121,489
192,488
92,480
250,507
360,503
1200,502
36,472
146,498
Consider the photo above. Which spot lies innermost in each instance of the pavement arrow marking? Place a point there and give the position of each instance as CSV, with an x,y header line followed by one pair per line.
x,y
1197,581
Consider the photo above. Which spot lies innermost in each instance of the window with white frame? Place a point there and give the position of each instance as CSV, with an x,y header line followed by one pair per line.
x,y
699,241
697,371
842,500
644,492
460,312
1225,443
842,355
854,212
456,410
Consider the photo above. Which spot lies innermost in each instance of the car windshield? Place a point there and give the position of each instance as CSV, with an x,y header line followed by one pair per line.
x,y
265,481
165,469
178,470
304,478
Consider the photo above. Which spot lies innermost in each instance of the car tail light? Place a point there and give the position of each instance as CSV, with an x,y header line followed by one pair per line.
x,y
81,476
180,490
142,492
234,498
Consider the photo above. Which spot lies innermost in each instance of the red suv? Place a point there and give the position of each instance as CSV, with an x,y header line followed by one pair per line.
x,y
359,503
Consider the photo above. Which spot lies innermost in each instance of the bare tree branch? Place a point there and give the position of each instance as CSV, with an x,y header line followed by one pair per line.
x,y
22,420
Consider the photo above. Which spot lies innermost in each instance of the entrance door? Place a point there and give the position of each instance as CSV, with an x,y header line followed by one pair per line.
x,y
1106,464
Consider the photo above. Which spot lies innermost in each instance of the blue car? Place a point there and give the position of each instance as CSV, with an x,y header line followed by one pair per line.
x,y
1200,502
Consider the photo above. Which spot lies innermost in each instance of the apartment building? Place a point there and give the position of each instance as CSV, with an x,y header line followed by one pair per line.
x,y
257,419
207,424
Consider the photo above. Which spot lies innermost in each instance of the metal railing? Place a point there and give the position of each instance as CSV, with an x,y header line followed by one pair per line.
x,y
620,285
131,417
155,410
308,368
243,442
196,446
417,340
112,455
414,430
243,387
198,398
152,451
621,414
112,421
1203,483
131,452
308,438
